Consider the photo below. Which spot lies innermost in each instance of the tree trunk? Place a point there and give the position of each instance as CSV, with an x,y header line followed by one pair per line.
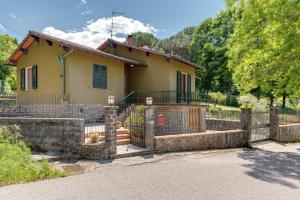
x,y
271,100
283,100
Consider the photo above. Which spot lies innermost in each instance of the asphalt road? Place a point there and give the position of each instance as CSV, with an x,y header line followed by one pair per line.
x,y
254,175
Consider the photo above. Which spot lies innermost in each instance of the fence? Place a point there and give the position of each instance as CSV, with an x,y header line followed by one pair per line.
x,y
186,120
289,117
49,106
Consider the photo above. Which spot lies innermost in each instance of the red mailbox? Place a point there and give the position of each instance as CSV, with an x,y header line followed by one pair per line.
x,y
161,120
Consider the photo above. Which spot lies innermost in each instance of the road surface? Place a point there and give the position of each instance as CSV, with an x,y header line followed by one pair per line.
x,y
268,173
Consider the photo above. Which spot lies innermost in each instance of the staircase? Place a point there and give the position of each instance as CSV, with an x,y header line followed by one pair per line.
x,y
123,136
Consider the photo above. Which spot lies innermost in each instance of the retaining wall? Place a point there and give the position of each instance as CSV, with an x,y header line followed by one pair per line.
x,y
288,133
202,141
50,134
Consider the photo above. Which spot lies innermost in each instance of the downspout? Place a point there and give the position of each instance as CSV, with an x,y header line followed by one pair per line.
x,y
61,60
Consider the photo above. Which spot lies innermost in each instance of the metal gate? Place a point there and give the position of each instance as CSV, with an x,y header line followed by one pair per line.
x,y
260,126
137,126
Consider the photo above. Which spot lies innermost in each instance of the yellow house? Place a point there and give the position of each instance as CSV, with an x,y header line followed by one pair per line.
x,y
49,65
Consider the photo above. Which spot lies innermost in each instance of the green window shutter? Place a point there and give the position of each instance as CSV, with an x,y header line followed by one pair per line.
x,y
99,76
189,87
22,78
178,87
34,77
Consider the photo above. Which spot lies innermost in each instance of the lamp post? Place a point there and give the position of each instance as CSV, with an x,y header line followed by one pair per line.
x,y
111,100
149,101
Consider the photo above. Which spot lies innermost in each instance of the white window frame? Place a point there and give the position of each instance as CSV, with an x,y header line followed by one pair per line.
x,y
26,78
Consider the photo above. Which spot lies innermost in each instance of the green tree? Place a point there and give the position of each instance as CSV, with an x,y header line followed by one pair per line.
x,y
208,49
178,43
142,39
7,73
265,47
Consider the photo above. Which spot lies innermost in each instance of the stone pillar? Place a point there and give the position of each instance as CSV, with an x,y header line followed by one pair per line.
x,y
111,129
246,123
149,127
203,119
274,123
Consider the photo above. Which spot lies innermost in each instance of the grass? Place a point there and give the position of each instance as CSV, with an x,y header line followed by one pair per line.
x,y
17,164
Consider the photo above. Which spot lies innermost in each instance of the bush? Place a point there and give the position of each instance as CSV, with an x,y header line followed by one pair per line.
x,y
16,162
217,97
250,101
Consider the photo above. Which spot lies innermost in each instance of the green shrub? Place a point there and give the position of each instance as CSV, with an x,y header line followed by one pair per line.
x,y
16,162
250,101
137,120
217,97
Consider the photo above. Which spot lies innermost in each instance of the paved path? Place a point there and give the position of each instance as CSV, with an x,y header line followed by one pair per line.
x,y
262,174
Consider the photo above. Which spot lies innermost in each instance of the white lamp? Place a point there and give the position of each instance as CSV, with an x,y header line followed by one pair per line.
x,y
149,100
111,100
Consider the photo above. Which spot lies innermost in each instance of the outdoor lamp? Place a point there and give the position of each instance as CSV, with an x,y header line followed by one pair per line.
x,y
111,100
149,100
274,104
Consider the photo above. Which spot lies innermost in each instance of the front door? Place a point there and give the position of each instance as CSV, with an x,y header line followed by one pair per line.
x,y
183,90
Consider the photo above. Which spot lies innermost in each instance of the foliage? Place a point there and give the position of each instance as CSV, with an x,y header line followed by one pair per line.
x,y
16,162
178,43
142,39
217,97
7,46
250,101
208,49
265,47
137,120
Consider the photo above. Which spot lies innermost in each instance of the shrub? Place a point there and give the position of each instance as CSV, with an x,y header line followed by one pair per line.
x,y
217,97
250,101
16,162
137,119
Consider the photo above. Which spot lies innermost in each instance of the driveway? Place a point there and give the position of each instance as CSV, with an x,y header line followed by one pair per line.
x,y
233,174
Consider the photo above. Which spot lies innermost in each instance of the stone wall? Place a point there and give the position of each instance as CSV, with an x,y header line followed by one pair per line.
x,y
50,134
97,151
222,124
288,133
202,141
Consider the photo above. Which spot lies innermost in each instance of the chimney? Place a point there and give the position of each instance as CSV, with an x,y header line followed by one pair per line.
x,y
130,39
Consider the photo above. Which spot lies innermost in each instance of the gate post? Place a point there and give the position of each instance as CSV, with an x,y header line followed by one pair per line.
x,y
149,127
111,128
246,123
274,123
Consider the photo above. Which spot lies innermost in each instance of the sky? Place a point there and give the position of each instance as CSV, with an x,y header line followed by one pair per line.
x,y
88,22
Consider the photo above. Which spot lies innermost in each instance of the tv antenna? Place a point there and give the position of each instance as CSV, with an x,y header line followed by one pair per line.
x,y
114,13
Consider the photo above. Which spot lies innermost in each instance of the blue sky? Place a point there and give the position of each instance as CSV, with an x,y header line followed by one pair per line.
x,y
88,21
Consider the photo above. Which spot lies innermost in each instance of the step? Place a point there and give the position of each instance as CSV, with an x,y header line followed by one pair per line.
x,y
122,142
122,136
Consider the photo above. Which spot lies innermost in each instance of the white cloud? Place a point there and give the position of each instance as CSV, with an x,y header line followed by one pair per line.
x,y
96,32
83,1
12,15
2,28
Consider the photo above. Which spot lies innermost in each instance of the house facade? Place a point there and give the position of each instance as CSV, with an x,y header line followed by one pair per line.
x,y
49,65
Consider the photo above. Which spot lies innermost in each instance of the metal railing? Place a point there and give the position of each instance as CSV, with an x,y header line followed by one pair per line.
x,y
289,116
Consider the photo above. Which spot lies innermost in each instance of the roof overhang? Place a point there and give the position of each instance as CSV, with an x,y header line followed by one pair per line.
x,y
111,42
33,36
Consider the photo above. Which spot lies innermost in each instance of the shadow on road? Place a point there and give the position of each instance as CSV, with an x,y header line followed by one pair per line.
x,y
273,167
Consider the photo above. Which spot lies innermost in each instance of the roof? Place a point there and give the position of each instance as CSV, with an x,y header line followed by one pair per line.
x,y
108,42
35,36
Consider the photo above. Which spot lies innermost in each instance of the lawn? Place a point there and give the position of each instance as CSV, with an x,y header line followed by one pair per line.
x,y
16,162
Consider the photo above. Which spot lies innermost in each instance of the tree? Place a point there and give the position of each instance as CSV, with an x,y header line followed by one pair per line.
x,y
142,39
265,47
208,49
178,43
7,73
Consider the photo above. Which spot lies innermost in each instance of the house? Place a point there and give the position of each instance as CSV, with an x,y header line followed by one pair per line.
x,y
49,65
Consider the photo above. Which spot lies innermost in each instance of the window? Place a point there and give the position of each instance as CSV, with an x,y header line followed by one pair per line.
x,y
29,78
99,76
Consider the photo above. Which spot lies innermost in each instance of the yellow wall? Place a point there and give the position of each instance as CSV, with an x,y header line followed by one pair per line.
x,y
79,69
80,82
160,75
